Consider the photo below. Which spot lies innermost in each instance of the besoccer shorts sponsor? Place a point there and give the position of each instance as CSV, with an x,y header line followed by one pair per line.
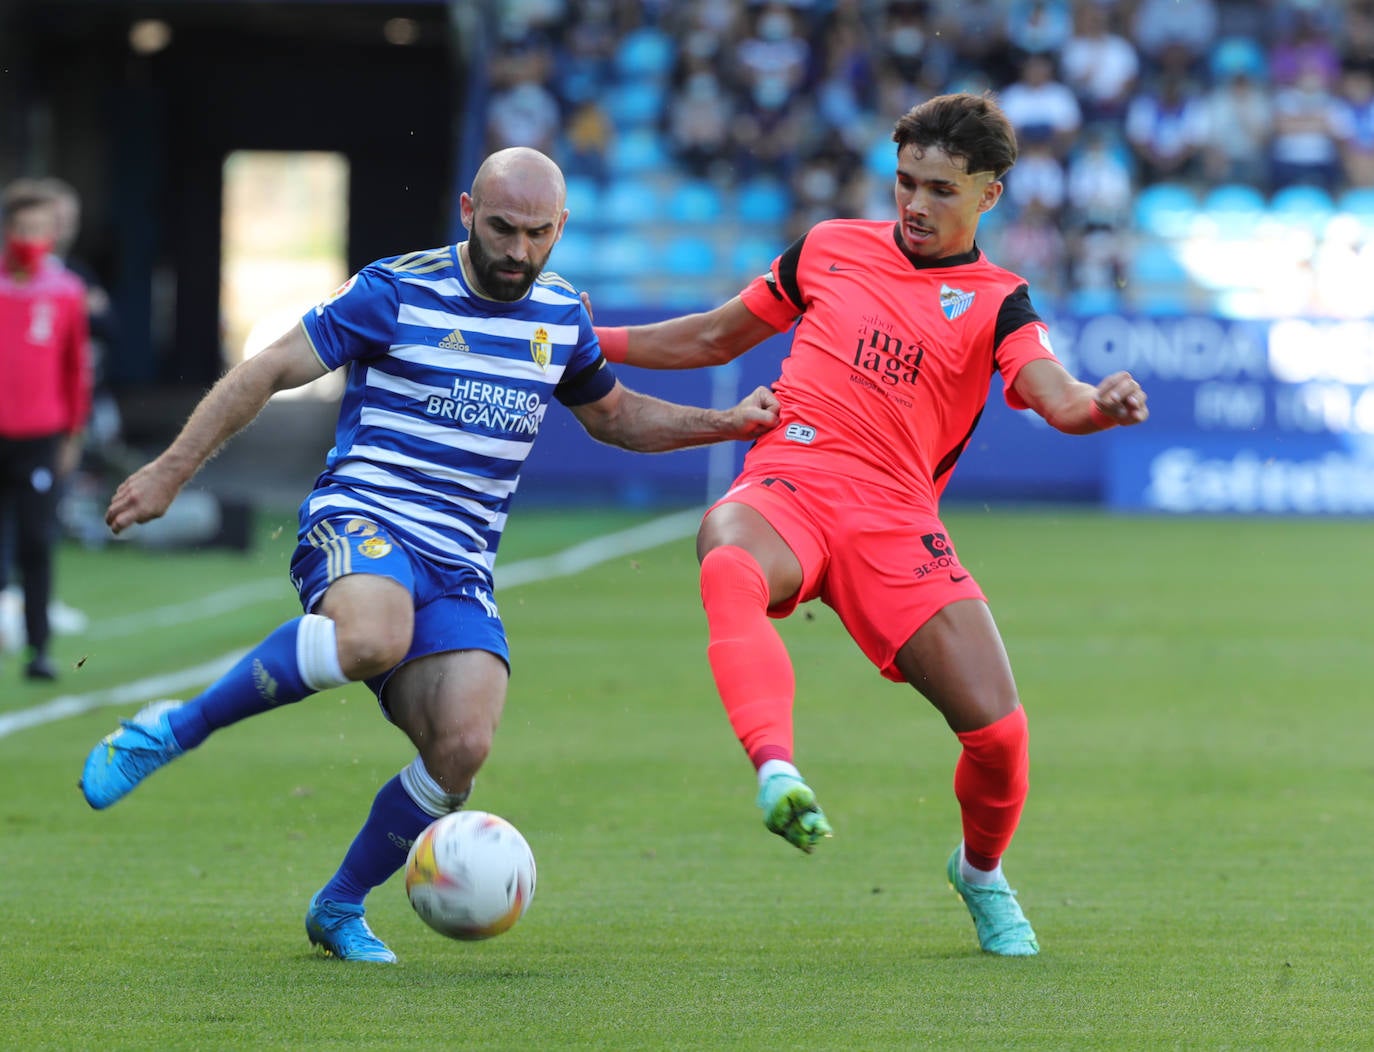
x,y
884,567
454,607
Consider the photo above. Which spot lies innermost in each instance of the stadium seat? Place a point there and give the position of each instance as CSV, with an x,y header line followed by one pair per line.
x,y
1308,207
1235,209
623,254
690,257
645,54
763,200
1358,202
629,201
751,255
695,201
1166,209
634,105
638,151
583,194
574,257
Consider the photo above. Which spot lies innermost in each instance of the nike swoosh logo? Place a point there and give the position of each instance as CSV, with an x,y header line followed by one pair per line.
x,y
835,268
961,577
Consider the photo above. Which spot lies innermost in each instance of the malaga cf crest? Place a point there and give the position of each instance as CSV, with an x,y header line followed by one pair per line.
x,y
541,347
953,302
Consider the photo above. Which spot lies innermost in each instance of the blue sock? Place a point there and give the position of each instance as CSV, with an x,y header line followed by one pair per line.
x,y
268,676
381,846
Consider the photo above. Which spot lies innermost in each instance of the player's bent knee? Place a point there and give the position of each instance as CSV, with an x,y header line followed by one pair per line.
x,y
366,651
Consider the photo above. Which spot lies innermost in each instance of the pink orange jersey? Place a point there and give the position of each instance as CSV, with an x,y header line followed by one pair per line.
x,y
892,360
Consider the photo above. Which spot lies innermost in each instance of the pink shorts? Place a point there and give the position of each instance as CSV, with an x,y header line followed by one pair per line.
x,y
885,567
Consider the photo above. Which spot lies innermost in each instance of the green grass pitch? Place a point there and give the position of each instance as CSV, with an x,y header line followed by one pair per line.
x,y
1195,855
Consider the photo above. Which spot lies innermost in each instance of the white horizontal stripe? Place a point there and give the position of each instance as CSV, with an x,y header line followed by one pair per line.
x,y
510,328
552,294
444,434
500,488
473,362
379,478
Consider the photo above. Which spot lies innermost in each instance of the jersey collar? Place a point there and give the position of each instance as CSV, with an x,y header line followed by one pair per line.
x,y
963,258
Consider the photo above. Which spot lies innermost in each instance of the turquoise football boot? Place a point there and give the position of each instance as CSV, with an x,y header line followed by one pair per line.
x,y
1002,927
790,810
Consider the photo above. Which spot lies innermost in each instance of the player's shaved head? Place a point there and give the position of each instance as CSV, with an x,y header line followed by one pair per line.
x,y
513,215
521,174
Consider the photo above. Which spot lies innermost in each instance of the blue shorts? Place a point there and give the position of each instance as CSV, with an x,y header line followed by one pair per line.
x,y
454,608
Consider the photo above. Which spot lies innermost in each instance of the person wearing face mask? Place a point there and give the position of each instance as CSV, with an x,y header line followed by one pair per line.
x,y
45,396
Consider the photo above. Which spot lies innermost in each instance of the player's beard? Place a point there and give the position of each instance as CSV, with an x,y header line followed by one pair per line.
x,y
495,284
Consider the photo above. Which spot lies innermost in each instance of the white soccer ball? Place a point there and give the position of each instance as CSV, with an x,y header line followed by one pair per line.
x,y
470,875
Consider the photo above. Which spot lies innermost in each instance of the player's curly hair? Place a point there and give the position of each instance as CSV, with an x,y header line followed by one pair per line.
x,y
964,125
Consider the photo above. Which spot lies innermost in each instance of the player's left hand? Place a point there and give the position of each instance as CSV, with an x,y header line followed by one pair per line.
x,y
1122,398
757,413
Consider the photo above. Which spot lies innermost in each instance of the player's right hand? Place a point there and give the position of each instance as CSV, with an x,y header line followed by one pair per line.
x,y
143,496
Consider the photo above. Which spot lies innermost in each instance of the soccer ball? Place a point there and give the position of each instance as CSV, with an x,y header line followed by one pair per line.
x,y
470,875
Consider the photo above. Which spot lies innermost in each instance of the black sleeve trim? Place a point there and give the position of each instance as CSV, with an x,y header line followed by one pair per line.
x,y
1016,312
590,385
787,273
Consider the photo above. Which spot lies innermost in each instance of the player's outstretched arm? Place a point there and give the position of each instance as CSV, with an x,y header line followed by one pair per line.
x,y
1078,408
226,409
688,342
645,424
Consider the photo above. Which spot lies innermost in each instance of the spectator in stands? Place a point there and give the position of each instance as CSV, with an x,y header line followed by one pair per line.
x,y
698,121
1174,34
1239,117
1165,126
1033,245
1101,66
1042,108
1099,187
772,111
1354,122
1038,179
977,33
846,82
910,50
1306,124
523,110
1304,46
1039,27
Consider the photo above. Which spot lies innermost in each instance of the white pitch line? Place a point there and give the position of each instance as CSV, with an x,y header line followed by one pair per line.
x,y
561,564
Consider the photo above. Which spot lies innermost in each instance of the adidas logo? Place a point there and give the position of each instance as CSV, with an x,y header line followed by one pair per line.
x,y
454,342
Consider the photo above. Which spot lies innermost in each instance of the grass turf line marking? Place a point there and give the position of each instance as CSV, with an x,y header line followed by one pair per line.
x,y
561,564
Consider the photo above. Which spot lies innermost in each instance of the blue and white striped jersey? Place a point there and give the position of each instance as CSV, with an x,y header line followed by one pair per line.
x,y
445,393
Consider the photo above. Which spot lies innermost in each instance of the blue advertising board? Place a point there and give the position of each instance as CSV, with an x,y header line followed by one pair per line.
x,y
1247,417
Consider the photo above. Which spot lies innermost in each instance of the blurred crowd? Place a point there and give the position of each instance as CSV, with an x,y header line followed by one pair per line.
x,y
1108,97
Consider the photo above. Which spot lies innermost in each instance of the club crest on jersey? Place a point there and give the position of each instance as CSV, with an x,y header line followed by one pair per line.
x,y
541,347
375,547
953,302
340,291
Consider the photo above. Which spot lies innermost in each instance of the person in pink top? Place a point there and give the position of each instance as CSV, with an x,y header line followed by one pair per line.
x,y
899,330
45,395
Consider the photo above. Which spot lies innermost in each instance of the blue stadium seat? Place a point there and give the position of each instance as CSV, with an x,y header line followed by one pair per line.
x,y
623,255
634,105
695,201
583,194
574,257
763,200
750,255
1235,209
690,257
1166,209
629,201
638,151
1308,207
1358,201
645,54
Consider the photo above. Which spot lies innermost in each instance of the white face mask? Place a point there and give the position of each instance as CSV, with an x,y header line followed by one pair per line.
x,y
908,41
